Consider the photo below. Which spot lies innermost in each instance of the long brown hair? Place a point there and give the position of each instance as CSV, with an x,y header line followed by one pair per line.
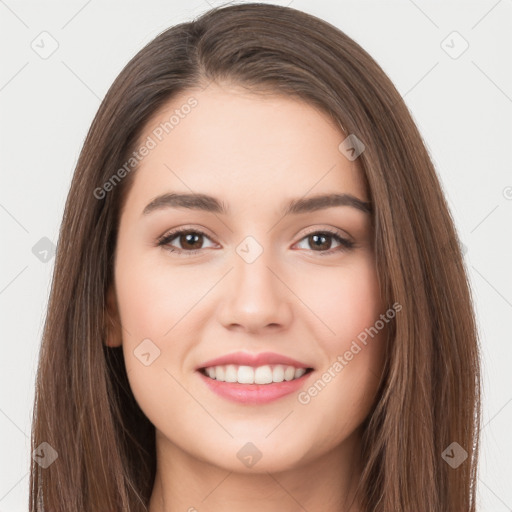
x,y
429,396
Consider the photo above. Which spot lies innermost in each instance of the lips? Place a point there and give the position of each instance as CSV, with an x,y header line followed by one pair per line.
x,y
255,360
254,378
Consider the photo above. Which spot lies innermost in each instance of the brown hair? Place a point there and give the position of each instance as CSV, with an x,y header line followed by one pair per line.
x,y
430,391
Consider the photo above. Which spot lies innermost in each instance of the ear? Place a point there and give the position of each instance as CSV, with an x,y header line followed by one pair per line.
x,y
113,324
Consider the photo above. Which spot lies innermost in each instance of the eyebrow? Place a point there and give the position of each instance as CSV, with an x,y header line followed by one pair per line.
x,y
211,204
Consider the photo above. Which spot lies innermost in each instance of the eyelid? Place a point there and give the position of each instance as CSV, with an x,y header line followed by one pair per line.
x,y
334,231
186,228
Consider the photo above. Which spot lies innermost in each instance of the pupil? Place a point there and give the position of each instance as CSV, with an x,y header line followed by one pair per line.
x,y
316,238
190,238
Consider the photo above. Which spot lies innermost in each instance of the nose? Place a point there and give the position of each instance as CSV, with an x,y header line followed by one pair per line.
x,y
255,297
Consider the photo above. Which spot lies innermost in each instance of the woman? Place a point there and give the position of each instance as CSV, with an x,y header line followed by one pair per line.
x,y
259,300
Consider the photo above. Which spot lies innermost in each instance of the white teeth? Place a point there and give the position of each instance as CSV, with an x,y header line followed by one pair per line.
x,y
278,373
220,373
289,373
249,375
299,372
245,375
263,375
231,375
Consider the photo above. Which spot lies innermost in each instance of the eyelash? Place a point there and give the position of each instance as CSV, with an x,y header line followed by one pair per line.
x,y
345,245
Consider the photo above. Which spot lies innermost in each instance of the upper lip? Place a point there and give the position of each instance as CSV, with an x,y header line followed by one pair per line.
x,y
248,359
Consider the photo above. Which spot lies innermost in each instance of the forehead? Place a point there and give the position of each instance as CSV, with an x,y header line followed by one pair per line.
x,y
240,146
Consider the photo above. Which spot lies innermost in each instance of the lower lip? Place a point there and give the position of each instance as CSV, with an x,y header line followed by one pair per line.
x,y
254,393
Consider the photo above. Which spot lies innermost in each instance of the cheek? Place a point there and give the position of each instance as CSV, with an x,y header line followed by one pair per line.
x,y
148,312
352,339
153,297
161,304
345,300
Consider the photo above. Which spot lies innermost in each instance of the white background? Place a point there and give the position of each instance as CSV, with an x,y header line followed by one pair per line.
x,y
462,106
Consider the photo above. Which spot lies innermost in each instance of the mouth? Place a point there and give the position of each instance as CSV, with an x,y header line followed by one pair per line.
x,y
248,378
260,375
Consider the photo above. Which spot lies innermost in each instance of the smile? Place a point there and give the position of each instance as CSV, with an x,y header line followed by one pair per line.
x,y
242,374
247,386
250,378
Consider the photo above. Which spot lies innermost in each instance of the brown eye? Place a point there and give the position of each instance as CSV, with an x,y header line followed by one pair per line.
x,y
321,242
190,241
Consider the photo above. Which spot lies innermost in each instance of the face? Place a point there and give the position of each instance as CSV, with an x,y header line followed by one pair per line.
x,y
246,280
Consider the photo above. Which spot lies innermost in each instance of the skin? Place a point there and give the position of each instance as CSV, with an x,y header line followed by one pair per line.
x,y
254,153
